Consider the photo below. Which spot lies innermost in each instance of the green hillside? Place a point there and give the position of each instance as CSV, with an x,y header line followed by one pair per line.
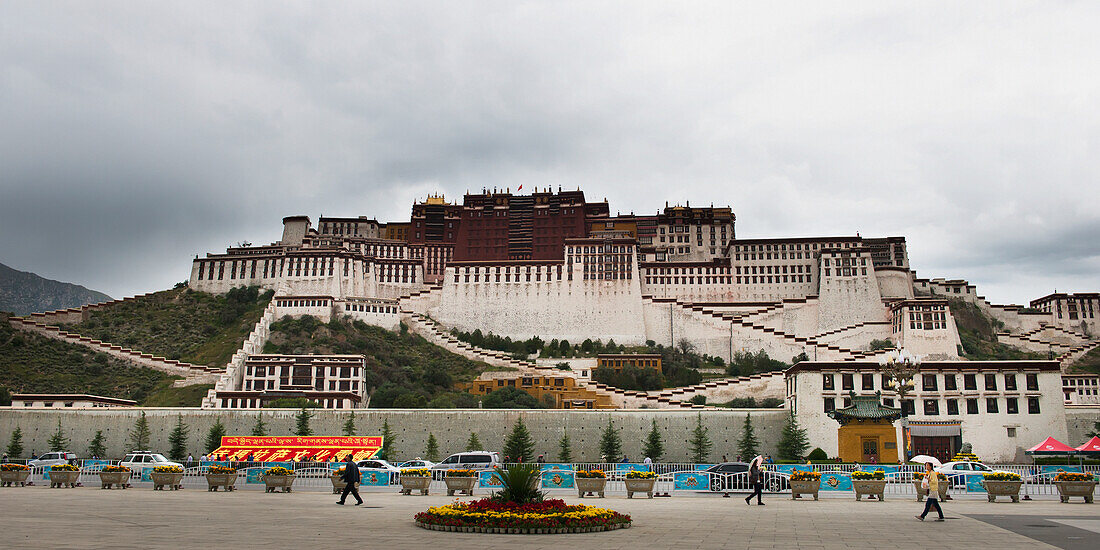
x,y
22,292
406,370
30,363
196,327
1090,362
978,333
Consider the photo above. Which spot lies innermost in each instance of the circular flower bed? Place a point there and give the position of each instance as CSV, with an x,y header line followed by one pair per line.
x,y
548,516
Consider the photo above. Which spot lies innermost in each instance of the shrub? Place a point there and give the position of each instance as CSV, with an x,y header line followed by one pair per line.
x,y
518,484
817,454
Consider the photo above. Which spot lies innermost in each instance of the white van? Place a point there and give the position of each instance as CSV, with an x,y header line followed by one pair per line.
x,y
472,460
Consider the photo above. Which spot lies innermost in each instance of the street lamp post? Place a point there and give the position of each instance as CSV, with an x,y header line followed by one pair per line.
x,y
899,369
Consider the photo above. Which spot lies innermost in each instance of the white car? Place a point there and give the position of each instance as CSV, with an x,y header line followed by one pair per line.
x,y
418,463
140,461
957,472
53,459
378,466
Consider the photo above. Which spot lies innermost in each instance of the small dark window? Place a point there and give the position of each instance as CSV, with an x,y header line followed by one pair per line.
x,y
970,382
991,382
1012,406
868,381
931,407
846,381
908,407
830,404
827,381
1032,382
950,383
1032,405
971,406
953,407
929,382
1010,382
991,405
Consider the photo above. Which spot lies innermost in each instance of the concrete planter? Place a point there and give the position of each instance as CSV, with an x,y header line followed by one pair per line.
x,y
63,479
1068,489
117,480
640,486
279,482
869,487
994,489
415,483
805,488
922,492
166,479
12,477
463,485
226,481
590,485
338,484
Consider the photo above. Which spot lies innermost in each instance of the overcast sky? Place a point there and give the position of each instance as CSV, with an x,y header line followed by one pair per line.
x,y
135,135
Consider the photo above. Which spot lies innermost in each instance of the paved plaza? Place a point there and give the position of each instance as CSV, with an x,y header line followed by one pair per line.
x,y
85,517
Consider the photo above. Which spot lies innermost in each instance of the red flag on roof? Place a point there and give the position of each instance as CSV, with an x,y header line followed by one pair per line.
x,y
1051,446
1091,446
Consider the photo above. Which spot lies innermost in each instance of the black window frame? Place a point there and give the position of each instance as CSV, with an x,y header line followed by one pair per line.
x,y
991,405
952,407
971,406
1012,405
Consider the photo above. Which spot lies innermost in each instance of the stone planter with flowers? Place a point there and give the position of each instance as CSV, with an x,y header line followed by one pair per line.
x,y
1071,484
114,476
590,481
167,476
460,481
220,476
338,483
869,483
278,478
918,483
1002,484
415,479
12,474
640,482
805,483
63,475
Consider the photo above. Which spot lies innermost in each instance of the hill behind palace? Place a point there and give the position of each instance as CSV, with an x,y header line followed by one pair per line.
x,y
22,292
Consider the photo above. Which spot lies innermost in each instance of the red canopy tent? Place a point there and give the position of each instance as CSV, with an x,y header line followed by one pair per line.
x,y
1051,446
1091,447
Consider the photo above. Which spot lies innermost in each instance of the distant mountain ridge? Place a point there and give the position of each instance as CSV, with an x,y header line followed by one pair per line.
x,y
22,292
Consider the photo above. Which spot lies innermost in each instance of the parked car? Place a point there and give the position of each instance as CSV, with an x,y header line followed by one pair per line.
x,y
471,460
379,466
418,463
140,461
958,471
734,476
53,459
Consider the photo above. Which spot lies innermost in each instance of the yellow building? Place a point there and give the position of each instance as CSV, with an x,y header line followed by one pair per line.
x,y
562,389
617,361
867,432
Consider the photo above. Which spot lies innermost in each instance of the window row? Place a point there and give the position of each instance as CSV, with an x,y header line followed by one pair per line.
x,y
930,382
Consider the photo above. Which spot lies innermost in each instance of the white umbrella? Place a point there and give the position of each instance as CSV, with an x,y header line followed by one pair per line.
x,y
922,459
759,461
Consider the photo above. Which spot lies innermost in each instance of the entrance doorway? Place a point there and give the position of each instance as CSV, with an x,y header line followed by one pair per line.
x,y
941,447
870,449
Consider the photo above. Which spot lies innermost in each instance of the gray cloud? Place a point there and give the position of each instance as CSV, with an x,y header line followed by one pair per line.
x,y
137,136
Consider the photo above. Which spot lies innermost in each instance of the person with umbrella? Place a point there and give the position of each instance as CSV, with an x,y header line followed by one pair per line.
x,y
931,484
756,478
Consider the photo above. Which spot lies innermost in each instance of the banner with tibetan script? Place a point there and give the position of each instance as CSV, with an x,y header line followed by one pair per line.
x,y
297,448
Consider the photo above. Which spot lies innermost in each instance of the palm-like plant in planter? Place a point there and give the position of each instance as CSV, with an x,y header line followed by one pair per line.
x,y
519,483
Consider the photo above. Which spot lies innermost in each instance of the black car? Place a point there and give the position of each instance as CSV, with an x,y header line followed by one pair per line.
x,y
734,476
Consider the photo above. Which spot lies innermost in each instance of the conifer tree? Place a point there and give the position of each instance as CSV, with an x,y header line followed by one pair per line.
x,y
139,435
518,446
793,441
15,444
96,447
387,451
654,447
301,423
474,444
178,440
259,429
565,450
214,436
58,441
432,451
611,445
748,444
349,424
700,443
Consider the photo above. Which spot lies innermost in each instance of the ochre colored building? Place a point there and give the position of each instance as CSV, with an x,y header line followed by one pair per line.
x,y
867,431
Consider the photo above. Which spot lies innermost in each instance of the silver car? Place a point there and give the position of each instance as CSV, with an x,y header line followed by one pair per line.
x,y
53,459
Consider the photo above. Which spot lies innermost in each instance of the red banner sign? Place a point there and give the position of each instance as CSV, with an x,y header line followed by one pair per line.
x,y
287,448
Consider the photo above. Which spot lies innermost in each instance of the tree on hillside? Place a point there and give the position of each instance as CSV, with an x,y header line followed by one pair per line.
x,y
1094,433
518,446
387,451
15,444
58,441
748,444
611,445
700,443
214,436
654,448
259,429
431,452
97,447
140,434
349,424
301,423
474,444
565,450
793,441
178,440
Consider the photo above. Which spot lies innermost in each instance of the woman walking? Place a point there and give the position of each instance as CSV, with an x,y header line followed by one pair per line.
x,y
931,484
756,478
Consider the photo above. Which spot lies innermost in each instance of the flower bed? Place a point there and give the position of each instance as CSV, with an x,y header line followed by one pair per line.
x,y
805,483
416,472
918,484
64,468
805,476
168,470
10,474
222,470
277,471
1073,476
641,475
459,473
591,474
999,476
113,469
114,476
548,516
167,476
877,474
460,481
13,467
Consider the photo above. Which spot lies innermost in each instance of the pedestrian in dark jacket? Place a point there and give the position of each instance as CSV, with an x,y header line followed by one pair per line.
x,y
756,478
351,477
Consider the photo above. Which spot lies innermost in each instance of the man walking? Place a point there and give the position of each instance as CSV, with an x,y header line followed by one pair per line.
x,y
351,477
932,484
